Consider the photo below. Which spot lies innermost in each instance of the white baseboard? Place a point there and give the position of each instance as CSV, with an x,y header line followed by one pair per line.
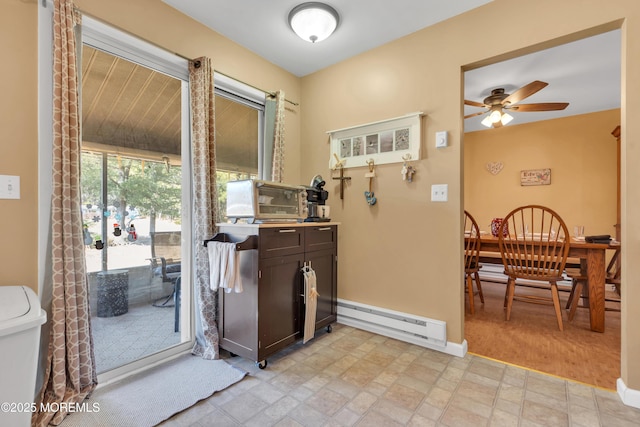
x,y
629,396
454,349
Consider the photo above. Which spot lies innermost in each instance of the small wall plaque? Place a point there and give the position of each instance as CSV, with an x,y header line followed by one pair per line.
x,y
535,177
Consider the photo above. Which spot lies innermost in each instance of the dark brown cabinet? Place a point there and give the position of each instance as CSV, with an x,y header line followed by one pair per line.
x,y
269,314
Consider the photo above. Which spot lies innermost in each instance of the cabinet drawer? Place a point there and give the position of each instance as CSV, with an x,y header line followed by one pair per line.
x,y
320,237
281,241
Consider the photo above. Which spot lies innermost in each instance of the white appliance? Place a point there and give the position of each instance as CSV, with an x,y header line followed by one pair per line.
x,y
20,321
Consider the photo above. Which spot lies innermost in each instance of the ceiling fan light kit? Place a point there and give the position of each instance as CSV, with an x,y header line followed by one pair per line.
x,y
499,101
313,21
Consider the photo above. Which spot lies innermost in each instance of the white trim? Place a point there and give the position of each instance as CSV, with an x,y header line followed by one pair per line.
x,y
237,88
106,38
45,138
356,127
629,396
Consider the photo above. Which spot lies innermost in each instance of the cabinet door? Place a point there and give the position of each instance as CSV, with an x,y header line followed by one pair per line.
x,y
324,264
279,306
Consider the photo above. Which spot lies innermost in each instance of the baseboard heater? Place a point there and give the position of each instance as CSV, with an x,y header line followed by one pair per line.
x,y
402,326
495,273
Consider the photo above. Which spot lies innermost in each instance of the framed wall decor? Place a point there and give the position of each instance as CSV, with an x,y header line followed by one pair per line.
x,y
535,177
385,141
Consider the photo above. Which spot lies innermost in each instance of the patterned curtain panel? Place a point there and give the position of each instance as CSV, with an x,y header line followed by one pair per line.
x,y
70,374
205,203
277,171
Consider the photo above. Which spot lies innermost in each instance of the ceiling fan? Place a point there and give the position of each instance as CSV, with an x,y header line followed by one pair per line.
x,y
498,102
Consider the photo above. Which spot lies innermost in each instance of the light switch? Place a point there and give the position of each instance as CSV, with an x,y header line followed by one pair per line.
x,y
439,192
9,187
442,139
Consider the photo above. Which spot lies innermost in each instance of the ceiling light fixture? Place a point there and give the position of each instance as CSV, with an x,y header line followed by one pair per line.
x,y
313,21
496,115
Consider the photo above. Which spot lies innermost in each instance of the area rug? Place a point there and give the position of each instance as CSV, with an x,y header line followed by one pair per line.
x,y
148,398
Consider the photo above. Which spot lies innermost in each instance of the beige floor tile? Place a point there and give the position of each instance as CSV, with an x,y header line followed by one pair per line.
x,y
378,420
385,382
429,411
362,402
503,419
406,397
327,401
457,417
544,415
346,417
420,421
480,393
471,405
393,411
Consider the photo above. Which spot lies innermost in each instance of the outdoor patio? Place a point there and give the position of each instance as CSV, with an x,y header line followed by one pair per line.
x,y
142,330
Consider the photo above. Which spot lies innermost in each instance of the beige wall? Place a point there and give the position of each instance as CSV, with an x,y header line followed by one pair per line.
x,y
18,142
405,253
581,153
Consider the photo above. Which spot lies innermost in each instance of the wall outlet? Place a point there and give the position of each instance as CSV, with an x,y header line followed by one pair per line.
x,y
442,139
439,192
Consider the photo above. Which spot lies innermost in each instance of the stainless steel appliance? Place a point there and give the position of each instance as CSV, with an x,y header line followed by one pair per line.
x,y
316,198
261,201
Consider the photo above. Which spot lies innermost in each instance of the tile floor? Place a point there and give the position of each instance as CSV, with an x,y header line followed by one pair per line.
x,y
140,332
355,378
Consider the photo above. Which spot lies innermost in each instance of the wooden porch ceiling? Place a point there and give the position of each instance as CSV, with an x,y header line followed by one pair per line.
x,y
132,110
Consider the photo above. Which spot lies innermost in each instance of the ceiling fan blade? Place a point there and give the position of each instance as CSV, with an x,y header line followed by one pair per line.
x,y
524,92
544,106
474,103
474,114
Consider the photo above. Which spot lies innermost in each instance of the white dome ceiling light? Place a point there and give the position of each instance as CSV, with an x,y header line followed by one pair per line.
x,y
313,21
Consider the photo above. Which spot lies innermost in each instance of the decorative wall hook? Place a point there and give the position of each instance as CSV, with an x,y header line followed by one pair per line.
x,y
407,170
371,200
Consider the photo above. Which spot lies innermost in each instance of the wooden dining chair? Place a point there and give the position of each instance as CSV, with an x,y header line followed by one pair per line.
x,y
614,269
534,245
471,258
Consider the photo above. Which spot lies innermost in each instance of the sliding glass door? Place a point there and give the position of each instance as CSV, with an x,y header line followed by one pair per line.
x,y
135,188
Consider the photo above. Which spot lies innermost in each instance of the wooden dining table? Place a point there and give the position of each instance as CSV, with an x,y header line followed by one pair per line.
x,y
592,264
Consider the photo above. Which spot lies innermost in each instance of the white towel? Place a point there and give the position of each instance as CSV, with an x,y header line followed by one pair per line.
x,y
311,303
224,267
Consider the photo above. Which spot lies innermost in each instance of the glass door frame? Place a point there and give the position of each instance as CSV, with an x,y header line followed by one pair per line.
x,y
116,42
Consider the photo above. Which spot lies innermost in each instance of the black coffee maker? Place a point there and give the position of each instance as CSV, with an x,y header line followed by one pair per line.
x,y
316,196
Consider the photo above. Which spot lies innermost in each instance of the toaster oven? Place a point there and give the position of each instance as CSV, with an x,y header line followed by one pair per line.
x,y
258,201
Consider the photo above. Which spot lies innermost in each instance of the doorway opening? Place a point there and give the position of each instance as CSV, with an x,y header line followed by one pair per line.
x,y
580,152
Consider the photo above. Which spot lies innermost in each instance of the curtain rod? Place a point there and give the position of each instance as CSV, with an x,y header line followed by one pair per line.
x,y
196,63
